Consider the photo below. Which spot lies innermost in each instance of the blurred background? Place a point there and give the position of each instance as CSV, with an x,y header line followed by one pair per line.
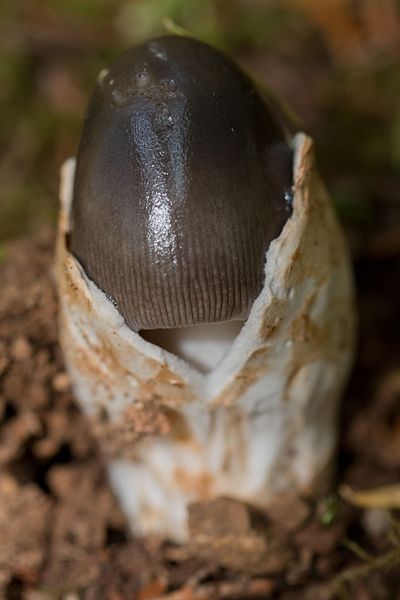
x,y
335,62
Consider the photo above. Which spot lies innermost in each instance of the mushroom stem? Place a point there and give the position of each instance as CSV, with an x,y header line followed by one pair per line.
x,y
203,346
264,420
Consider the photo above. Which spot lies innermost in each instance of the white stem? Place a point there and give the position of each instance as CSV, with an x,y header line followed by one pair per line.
x,y
202,346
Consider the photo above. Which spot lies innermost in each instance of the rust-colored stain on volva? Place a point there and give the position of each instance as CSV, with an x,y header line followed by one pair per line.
x,y
119,438
256,366
272,318
179,429
198,484
237,445
74,292
115,440
83,360
169,382
152,391
300,329
108,355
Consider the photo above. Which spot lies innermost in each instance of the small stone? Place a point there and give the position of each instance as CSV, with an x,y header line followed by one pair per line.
x,y
288,512
21,349
219,517
225,531
320,539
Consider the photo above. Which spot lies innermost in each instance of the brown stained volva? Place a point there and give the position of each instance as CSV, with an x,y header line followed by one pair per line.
x,y
164,389
99,357
255,367
180,186
79,295
119,439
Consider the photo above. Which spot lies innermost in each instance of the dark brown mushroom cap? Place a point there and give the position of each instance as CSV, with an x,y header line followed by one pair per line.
x,y
180,186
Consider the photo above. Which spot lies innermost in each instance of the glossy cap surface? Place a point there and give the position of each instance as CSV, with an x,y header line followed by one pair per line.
x,y
180,186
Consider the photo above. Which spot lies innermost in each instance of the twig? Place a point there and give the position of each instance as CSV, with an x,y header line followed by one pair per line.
x,y
385,561
357,550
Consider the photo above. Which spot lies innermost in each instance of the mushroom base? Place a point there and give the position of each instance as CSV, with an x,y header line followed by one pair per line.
x,y
264,420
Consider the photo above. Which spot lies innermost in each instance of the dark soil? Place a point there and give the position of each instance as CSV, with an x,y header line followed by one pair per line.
x,y
62,535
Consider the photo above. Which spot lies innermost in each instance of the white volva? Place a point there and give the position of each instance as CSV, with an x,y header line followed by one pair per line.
x,y
263,420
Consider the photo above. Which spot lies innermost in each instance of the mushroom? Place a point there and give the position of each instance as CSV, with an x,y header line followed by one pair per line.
x,y
206,298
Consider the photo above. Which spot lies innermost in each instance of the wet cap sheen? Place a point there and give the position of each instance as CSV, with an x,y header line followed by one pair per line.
x,y
182,173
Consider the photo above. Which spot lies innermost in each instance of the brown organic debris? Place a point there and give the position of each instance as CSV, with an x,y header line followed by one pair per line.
x,y
24,512
225,530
